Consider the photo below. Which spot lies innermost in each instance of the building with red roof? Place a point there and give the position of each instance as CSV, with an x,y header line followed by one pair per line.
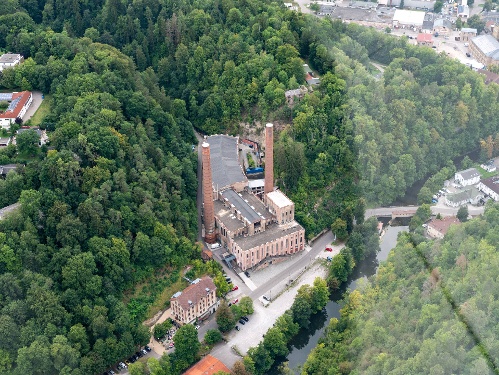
x,y
197,301
19,103
437,228
209,365
424,39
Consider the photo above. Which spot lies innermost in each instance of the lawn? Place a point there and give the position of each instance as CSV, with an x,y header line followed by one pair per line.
x,y
484,174
42,111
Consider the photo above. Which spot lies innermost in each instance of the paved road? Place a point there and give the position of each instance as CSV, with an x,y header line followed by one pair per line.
x,y
37,101
443,210
6,210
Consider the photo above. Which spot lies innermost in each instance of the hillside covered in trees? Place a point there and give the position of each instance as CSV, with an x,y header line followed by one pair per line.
x,y
110,204
432,309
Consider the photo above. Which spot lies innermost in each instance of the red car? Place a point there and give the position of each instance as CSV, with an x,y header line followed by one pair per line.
x,y
329,248
235,288
235,301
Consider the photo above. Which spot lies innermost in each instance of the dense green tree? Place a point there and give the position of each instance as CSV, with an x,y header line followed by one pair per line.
x,y
462,214
186,344
225,317
212,336
27,142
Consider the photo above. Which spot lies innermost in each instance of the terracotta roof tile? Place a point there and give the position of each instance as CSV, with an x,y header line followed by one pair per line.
x,y
194,292
207,366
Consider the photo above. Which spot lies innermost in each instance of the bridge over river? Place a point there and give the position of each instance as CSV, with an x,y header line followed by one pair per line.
x,y
407,211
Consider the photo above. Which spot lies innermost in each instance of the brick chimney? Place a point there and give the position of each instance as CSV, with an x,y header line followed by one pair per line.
x,y
208,205
269,158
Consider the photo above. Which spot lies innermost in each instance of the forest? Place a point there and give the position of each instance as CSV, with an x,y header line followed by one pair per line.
x,y
432,309
109,205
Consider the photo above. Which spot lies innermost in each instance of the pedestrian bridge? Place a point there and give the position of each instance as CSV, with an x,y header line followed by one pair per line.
x,y
392,212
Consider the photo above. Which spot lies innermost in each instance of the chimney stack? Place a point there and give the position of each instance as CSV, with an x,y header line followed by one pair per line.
x,y
269,158
208,205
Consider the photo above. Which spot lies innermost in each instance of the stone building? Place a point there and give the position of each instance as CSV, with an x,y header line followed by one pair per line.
x,y
197,301
254,228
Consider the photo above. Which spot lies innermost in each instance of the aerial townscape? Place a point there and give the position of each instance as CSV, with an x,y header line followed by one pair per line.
x,y
257,187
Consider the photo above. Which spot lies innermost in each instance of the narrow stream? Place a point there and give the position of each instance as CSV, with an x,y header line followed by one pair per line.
x,y
306,340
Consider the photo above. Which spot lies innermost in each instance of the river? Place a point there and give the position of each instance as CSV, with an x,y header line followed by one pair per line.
x,y
306,340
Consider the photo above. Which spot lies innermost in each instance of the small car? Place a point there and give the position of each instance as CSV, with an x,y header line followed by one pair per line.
x,y
237,328
245,318
329,248
247,274
242,322
144,352
235,301
147,348
197,327
235,288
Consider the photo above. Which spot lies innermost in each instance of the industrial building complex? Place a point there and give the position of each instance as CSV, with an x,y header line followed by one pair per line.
x,y
255,227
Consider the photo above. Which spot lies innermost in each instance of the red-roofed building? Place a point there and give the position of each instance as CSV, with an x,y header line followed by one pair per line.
x,y
424,39
209,365
197,301
437,228
19,103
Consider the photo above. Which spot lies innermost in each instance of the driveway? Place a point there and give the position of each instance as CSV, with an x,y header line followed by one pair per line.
x,y
37,101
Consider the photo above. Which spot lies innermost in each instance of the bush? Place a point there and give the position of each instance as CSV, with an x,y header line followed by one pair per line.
x,y
212,336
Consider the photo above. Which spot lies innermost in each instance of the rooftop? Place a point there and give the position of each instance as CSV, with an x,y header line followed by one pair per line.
x,y
4,169
470,192
489,76
17,102
443,225
9,58
409,17
23,129
488,45
225,166
423,37
209,365
442,22
194,292
469,173
468,30
256,183
271,233
492,183
248,210
279,199
231,222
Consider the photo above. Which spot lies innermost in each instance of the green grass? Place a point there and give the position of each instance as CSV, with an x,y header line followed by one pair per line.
x,y
42,111
485,174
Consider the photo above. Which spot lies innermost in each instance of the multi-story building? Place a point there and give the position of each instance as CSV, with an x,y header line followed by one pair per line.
x,y
437,228
485,49
467,33
19,102
196,301
255,229
490,186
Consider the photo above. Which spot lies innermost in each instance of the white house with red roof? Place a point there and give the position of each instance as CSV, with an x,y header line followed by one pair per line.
x,y
19,103
424,39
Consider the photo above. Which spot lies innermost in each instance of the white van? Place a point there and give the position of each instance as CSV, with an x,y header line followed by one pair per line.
x,y
215,245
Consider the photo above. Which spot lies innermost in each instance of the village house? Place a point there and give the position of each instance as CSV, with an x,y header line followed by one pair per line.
x,y
467,177
469,195
437,228
489,166
195,302
442,26
4,169
42,134
485,49
490,186
424,39
9,60
467,33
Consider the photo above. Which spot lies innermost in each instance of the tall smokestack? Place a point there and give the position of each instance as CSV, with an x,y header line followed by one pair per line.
x,y
209,207
269,158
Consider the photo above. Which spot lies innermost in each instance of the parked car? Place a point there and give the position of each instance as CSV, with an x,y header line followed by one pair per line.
x,y
329,248
245,318
237,328
144,352
247,273
266,298
147,348
235,301
139,354
242,322
235,288
197,327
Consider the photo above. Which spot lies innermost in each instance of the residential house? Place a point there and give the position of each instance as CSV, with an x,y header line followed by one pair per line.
x,y
489,166
9,60
469,195
467,33
5,141
19,102
42,134
437,228
485,49
442,26
4,169
197,301
424,40
489,76
209,365
490,186
463,12
467,177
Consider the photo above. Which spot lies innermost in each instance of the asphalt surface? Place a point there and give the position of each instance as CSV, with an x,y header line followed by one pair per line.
x,y
37,101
